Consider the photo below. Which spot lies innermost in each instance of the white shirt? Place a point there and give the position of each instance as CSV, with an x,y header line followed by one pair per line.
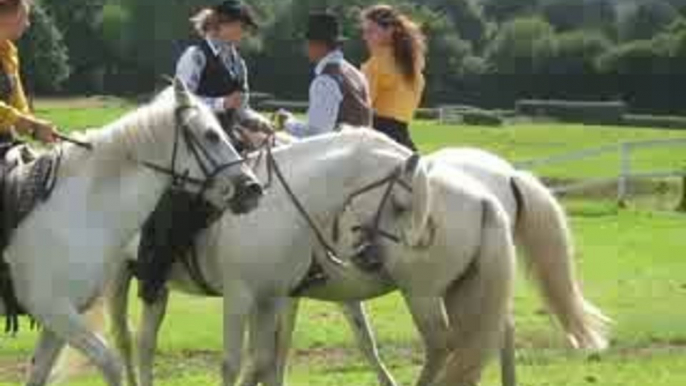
x,y
325,100
192,63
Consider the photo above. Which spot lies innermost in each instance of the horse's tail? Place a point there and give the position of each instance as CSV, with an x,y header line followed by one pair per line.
x,y
72,363
479,302
542,230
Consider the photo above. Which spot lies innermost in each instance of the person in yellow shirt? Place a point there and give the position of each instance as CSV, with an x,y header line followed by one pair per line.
x,y
15,115
394,70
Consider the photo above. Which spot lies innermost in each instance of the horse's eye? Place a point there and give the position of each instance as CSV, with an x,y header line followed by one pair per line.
x,y
212,136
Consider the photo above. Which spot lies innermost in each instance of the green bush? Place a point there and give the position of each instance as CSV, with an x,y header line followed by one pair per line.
x,y
427,113
574,111
655,121
274,105
481,118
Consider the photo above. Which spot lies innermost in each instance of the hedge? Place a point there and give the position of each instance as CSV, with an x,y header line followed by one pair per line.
x,y
274,105
574,111
653,121
481,118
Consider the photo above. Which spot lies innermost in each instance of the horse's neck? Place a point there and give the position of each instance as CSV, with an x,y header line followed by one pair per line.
x,y
323,172
106,189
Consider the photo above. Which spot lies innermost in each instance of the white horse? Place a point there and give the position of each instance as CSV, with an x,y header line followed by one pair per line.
x,y
540,229
60,254
469,264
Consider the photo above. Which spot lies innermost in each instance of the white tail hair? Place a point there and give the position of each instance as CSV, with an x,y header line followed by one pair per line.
x,y
543,232
479,303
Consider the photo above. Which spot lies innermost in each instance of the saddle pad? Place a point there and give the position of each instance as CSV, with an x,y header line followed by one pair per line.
x,y
26,185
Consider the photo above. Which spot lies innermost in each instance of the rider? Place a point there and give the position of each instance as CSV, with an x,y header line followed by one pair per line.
x,y
214,69
339,93
15,115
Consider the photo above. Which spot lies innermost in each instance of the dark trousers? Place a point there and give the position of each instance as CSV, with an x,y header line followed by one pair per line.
x,y
396,130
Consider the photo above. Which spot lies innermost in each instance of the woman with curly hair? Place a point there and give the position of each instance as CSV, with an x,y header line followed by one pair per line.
x,y
394,70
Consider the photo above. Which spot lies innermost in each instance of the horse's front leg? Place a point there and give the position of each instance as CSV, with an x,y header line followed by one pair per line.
x,y
151,321
263,344
357,319
61,318
118,307
432,322
44,358
238,303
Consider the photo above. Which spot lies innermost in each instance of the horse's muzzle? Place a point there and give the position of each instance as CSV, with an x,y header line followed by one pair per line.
x,y
246,197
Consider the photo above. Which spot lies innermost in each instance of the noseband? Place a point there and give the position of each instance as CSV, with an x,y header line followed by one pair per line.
x,y
209,166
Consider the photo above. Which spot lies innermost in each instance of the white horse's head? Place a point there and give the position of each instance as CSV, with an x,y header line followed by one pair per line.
x,y
188,141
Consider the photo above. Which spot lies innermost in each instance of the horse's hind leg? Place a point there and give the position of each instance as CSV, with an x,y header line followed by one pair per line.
x,y
431,320
44,358
507,354
358,321
64,321
151,321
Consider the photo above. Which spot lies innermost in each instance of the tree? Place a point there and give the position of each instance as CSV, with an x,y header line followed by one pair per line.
x,y
467,18
44,58
646,20
569,15
80,22
502,11
519,44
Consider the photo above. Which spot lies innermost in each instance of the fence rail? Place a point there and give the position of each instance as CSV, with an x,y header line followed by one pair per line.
x,y
625,173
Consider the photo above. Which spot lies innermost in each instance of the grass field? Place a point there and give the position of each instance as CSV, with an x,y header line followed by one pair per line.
x,y
631,262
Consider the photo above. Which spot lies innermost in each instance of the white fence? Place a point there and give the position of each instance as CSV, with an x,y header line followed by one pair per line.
x,y
626,150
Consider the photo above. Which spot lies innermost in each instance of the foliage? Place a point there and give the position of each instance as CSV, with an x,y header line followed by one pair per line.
x,y
647,19
44,57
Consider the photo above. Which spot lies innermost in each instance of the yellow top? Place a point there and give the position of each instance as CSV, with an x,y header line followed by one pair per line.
x,y
18,106
392,95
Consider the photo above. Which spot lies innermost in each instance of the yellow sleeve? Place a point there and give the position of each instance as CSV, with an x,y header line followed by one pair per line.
x,y
18,106
8,116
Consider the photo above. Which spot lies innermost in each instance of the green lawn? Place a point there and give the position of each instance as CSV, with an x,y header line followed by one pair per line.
x,y
520,142
636,279
516,142
630,261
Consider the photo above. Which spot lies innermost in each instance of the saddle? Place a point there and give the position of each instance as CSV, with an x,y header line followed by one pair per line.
x,y
26,179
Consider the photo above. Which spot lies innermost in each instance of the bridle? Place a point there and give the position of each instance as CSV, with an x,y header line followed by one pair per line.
x,y
370,232
209,166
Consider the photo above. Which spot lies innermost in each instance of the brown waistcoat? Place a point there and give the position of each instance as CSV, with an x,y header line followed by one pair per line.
x,y
355,108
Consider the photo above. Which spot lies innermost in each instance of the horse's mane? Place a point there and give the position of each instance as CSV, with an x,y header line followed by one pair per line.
x,y
127,134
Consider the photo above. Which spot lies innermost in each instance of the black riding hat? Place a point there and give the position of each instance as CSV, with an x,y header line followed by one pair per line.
x,y
324,26
236,10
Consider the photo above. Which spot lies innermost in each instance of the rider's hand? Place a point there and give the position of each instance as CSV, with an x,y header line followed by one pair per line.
x,y
281,117
40,129
233,101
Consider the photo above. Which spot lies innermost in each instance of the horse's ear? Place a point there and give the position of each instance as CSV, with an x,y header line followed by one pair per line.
x,y
183,96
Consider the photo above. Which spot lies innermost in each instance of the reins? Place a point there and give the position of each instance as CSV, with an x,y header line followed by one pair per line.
x,y
264,151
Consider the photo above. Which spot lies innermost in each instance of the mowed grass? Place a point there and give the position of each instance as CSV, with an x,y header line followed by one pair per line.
x,y
526,141
515,142
631,263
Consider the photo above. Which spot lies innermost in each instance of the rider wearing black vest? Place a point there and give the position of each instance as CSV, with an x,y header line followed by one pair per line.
x,y
213,68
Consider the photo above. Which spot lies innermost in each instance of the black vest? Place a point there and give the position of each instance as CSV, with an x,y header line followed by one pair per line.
x,y
217,81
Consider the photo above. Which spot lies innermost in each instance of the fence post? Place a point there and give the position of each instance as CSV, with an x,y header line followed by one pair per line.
x,y
624,173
